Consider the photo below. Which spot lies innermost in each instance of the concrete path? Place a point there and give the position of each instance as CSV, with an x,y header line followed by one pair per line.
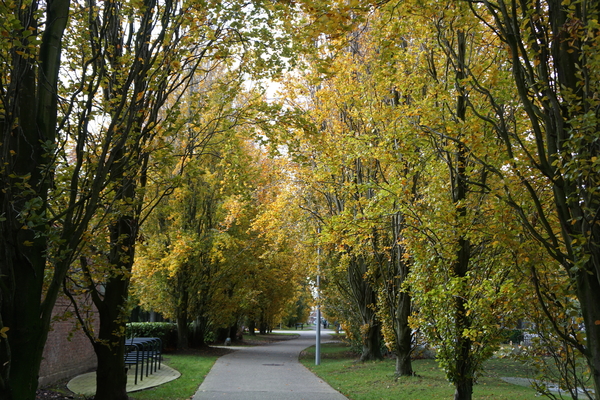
x,y
269,372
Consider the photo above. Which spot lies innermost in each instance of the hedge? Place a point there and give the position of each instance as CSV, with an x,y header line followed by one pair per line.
x,y
166,331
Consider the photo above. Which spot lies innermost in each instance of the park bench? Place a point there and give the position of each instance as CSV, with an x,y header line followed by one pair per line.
x,y
140,352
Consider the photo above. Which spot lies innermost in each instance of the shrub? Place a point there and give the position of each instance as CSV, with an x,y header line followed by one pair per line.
x,y
166,331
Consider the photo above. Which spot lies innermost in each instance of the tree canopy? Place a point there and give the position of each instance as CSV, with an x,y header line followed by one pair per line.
x,y
441,156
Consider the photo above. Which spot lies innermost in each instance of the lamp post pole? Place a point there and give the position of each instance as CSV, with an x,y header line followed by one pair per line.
x,y
318,343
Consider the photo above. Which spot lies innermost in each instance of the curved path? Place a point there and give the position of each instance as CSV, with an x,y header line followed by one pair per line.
x,y
270,372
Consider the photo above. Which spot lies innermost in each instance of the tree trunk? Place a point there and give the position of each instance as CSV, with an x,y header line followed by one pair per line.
x,y
28,123
112,307
263,328
371,350
463,365
404,333
588,293
233,332
111,378
198,332
252,327
463,389
400,301
365,299
462,374
182,317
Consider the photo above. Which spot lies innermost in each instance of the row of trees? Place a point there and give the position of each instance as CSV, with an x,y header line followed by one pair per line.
x,y
449,153
208,253
114,115
446,151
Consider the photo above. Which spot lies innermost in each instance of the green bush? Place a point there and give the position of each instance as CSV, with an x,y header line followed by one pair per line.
x,y
166,331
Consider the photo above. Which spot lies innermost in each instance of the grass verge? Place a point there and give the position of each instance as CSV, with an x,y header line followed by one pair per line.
x,y
193,369
375,380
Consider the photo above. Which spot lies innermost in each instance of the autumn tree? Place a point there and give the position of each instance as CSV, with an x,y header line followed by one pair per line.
x,y
422,82
121,62
551,50
350,137
179,267
119,82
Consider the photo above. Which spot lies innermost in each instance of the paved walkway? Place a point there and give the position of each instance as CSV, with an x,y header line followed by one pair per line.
x,y
270,372
86,384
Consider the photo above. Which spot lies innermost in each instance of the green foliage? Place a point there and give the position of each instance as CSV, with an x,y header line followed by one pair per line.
x,y
165,331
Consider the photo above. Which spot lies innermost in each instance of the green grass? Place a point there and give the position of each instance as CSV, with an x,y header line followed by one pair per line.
x,y
193,369
375,380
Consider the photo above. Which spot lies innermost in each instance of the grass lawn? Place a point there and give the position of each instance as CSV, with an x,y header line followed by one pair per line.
x,y
375,380
193,369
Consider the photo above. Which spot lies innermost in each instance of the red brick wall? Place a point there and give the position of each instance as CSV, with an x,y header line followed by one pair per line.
x,y
67,353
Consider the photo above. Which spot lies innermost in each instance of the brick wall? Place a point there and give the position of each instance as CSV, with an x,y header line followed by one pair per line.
x,y
67,352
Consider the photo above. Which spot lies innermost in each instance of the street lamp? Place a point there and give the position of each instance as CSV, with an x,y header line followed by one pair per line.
x,y
318,343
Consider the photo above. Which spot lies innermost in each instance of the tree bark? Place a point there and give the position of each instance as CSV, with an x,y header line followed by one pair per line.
x,y
182,321
111,378
404,336
371,350
365,299
401,301
199,331
588,293
252,327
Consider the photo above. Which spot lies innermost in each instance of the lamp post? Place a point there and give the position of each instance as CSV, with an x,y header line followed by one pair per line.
x,y
318,339
318,344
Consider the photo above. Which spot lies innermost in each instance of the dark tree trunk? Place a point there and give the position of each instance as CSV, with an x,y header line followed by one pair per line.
x,y
199,332
183,335
365,299
400,302
252,327
28,124
371,350
111,378
404,333
109,345
263,328
463,389
233,332
588,293
182,321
